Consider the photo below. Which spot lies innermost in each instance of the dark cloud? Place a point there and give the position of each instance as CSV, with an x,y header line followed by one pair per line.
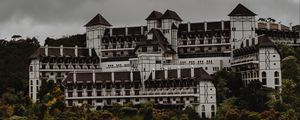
x,y
61,17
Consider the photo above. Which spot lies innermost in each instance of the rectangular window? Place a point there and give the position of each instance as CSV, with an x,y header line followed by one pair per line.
x,y
264,81
79,94
276,81
144,49
30,69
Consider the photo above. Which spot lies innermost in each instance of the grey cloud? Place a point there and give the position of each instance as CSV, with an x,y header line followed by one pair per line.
x,y
60,17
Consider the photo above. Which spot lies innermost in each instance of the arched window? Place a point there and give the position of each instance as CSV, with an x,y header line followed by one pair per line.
x,y
212,108
264,78
253,41
263,74
276,74
203,108
247,43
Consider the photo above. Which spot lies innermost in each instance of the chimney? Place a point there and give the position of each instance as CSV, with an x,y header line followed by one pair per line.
x,y
189,26
166,73
94,76
46,50
76,50
192,71
61,50
90,51
178,72
222,24
126,30
205,26
110,32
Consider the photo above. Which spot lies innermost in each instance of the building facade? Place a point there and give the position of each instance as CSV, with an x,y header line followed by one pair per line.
x,y
166,61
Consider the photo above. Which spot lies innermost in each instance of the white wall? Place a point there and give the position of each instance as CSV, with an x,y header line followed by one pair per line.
x,y
34,81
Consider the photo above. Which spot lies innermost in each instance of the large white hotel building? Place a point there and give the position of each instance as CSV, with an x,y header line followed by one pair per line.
x,y
166,61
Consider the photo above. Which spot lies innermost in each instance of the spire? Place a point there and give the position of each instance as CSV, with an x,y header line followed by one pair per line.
x,y
98,20
241,10
155,15
169,14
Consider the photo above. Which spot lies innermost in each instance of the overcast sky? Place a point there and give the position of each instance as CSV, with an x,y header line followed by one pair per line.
x,y
55,18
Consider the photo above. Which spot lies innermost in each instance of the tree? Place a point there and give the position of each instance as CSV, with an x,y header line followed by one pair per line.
x,y
256,95
191,113
228,84
290,68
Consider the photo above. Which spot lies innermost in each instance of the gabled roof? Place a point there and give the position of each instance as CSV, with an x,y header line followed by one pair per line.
x,y
155,15
241,10
265,41
98,20
157,39
169,14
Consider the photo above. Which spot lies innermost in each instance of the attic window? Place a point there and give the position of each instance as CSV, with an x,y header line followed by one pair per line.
x,y
144,49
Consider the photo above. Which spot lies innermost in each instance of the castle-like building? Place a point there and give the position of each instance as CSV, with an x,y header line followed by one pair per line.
x,y
166,62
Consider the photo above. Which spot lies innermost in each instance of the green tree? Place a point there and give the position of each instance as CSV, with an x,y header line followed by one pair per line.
x,y
290,68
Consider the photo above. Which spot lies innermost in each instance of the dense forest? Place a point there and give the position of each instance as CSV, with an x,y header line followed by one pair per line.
x,y
235,101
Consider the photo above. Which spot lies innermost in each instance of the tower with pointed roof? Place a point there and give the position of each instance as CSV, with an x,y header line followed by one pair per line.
x,y
95,29
153,20
242,21
170,21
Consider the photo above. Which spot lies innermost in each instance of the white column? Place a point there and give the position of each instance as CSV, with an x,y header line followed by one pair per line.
x,y
94,76
90,51
110,32
112,76
46,50
205,26
61,50
166,73
192,72
131,75
126,31
178,72
76,50
153,73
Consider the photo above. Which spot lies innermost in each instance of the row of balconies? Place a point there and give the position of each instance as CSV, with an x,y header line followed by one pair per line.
x,y
69,66
118,46
245,59
205,41
128,92
156,100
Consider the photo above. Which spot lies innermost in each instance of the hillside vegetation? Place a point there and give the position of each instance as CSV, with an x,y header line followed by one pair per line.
x,y
235,101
